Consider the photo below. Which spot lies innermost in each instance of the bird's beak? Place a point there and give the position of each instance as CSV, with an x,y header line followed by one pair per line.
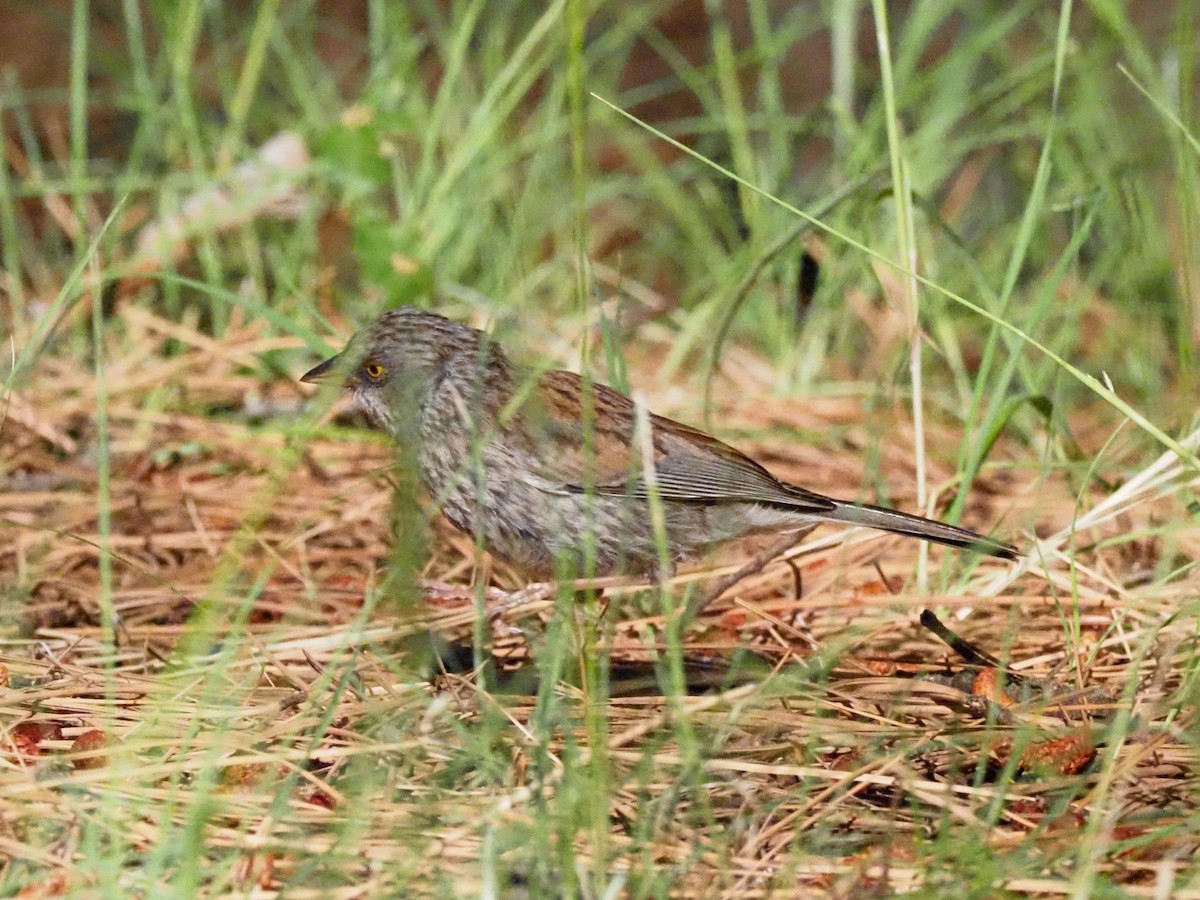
x,y
321,372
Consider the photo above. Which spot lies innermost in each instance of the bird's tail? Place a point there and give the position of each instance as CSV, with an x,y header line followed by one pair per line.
x,y
915,526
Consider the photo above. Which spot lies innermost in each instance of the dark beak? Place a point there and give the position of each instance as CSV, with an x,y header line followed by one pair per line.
x,y
320,373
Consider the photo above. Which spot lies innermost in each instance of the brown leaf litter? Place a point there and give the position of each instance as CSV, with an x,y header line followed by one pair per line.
x,y
262,551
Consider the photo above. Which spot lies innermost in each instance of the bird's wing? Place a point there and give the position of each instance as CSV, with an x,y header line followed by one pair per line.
x,y
690,466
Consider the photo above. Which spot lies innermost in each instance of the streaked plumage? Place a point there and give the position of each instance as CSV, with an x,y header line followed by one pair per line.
x,y
546,466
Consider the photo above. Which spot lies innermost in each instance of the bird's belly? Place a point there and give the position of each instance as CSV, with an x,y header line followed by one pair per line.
x,y
546,531
548,534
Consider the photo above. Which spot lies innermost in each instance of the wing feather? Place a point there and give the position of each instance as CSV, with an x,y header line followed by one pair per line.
x,y
690,466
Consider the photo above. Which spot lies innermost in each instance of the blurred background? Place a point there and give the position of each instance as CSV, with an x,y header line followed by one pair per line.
x,y
331,158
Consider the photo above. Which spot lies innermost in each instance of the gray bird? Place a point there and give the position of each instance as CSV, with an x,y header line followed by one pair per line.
x,y
548,468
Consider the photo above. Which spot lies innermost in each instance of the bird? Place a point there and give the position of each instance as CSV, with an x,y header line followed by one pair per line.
x,y
563,477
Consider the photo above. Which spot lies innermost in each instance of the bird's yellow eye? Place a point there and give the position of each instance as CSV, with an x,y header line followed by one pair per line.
x,y
374,370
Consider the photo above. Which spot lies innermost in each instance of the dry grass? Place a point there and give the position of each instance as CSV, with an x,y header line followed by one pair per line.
x,y
216,679
291,741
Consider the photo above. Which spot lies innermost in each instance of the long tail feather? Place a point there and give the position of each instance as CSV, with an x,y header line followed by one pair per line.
x,y
915,526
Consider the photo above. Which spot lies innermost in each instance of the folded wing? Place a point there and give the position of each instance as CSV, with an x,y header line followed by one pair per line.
x,y
592,431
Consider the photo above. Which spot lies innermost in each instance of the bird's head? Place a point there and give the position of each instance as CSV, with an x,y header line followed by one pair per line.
x,y
393,362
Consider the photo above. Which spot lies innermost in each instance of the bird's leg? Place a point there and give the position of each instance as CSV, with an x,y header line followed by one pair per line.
x,y
698,604
601,598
